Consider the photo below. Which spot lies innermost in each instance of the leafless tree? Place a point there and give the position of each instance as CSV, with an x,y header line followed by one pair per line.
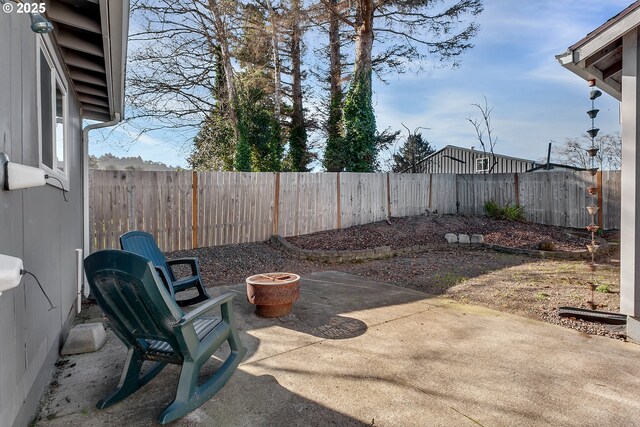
x,y
408,31
170,74
484,132
573,152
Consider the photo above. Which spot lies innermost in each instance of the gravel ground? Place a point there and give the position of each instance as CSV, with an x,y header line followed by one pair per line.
x,y
521,285
404,232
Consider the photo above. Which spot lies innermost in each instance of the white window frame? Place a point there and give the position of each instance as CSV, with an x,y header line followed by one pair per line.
x,y
479,162
58,81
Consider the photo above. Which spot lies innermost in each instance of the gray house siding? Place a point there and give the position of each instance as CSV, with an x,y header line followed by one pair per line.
x,y
463,161
36,225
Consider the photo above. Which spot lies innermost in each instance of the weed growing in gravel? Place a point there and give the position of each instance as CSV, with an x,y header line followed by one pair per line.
x,y
540,296
448,280
603,288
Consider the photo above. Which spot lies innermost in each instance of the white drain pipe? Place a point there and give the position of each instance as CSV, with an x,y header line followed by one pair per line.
x,y
85,190
79,277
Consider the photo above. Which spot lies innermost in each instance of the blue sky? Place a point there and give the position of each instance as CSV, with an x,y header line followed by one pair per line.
x,y
513,64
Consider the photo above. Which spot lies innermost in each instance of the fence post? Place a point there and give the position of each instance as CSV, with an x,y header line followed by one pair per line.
x,y
339,219
276,208
194,209
388,196
516,188
600,191
430,189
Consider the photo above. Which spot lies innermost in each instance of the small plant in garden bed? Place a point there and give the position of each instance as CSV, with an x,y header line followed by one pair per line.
x,y
547,245
492,209
603,288
541,296
508,212
449,279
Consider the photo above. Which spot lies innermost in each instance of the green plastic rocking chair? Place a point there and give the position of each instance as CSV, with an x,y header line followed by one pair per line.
x,y
148,321
143,243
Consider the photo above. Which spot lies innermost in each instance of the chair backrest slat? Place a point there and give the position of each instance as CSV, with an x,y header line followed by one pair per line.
x,y
132,296
143,244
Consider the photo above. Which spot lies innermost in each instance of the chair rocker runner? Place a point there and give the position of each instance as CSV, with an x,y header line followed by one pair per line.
x,y
152,326
143,244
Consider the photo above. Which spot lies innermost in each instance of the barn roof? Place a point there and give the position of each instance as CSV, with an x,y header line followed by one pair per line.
x,y
430,156
553,166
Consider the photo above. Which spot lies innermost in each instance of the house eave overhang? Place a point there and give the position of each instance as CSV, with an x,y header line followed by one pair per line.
x,y
612,88
92,38
598,56
115,34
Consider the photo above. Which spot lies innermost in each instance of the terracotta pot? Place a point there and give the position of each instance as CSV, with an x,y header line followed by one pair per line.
x,y
273,293
593,209
592,190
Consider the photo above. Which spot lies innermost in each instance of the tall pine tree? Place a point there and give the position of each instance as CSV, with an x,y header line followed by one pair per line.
x,y
299,156
214,146
260,132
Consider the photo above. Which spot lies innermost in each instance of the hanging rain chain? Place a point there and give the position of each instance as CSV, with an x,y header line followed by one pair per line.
x,y
593,188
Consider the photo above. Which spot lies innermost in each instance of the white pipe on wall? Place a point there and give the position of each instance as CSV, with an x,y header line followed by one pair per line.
x,y
85,179
79,276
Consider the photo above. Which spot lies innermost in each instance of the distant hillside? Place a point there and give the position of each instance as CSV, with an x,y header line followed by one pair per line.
x,y
110,162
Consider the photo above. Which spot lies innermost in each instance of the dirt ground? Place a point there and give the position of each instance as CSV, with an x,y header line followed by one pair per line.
x,y
522,285
420,230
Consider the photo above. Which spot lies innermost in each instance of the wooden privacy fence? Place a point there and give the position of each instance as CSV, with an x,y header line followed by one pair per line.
x,y
186,209
553,198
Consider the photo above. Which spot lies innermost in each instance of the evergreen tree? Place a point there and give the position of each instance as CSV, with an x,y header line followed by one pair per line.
x,y
414,150
213,147
242,161
335,158
405,31
299,156
360,125
258,130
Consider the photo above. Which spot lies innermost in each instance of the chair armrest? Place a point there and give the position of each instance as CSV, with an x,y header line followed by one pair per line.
x,y
164,276
206,307
193,263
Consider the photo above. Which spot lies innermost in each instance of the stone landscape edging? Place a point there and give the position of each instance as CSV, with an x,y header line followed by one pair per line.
x,y
350,255
537,253
381,252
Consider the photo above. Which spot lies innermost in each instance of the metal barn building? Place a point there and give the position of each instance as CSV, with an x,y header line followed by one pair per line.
x,y
452,159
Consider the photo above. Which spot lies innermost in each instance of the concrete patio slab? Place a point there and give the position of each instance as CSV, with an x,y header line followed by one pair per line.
x,y
357,352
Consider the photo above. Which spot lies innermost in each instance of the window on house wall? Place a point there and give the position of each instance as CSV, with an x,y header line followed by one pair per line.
x,y
482,164
53,112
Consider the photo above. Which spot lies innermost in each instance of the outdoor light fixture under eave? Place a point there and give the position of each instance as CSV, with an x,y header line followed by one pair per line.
x,y
11,271
39,24
14,176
